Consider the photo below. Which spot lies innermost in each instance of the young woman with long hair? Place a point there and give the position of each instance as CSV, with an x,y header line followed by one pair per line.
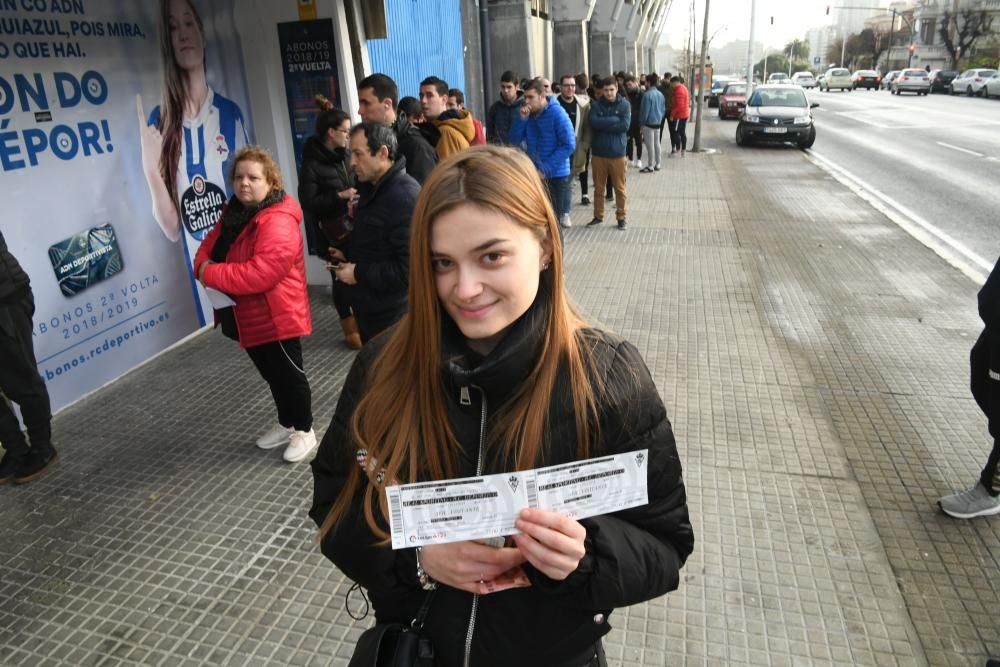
x,y
189,139
491,370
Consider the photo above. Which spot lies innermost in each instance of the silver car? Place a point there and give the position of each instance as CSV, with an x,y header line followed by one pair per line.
x,y
911,81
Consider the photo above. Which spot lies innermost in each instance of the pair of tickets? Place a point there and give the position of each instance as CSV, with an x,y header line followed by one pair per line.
x,y
479,508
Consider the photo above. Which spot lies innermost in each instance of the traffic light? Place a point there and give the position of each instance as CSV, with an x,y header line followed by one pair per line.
x,y
828,10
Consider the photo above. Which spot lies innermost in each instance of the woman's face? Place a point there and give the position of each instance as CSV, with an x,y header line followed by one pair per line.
x,y
486,270
185,38
338,135
249,183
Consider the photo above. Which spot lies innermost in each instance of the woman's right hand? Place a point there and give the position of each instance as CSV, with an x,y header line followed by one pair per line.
x,y
150,141
466,565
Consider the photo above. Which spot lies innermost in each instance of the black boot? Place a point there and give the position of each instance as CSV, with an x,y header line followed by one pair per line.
x,y
36,464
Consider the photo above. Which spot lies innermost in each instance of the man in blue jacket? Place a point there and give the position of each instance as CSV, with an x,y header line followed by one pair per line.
x,y
651,112
610,116
549,138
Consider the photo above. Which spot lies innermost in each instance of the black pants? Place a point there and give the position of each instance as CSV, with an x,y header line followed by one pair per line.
x,y
984,371
584,176
634,138
280,364
21,383
678,134
372,324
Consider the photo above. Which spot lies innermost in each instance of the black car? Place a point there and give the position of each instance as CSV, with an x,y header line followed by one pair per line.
x,y
777,113
941,80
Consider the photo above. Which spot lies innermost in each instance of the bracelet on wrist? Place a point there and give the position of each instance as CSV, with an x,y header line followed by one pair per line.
x,y
423,578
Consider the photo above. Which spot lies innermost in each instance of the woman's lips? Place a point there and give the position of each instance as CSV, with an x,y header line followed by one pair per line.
x,y
476,312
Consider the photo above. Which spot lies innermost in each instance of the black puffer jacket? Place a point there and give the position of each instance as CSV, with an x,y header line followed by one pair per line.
x,y
379,246
989,300
324,173
14,283
420,155
632,556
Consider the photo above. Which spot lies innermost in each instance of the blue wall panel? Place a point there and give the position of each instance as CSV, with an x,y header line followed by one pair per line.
x,y
425,38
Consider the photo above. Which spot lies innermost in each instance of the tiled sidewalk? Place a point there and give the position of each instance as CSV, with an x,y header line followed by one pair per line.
x,y
813,359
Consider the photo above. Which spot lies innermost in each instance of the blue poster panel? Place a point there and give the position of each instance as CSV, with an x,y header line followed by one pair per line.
x,y
117,123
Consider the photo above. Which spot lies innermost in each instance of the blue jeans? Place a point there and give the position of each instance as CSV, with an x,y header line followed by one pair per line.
x,y
560,193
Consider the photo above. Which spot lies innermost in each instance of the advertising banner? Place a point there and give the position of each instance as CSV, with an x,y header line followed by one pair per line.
x,y
309,68
117,123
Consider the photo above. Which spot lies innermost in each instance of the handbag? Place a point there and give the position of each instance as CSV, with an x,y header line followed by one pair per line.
x,y
396,644
337,230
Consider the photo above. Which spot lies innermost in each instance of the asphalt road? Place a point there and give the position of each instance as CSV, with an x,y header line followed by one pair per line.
x,y
935,159
936,155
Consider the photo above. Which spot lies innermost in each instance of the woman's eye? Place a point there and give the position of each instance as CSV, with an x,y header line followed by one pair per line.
x,y
492,257
441,264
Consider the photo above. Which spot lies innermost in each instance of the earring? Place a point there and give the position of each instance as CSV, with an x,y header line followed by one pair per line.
x,y
545,266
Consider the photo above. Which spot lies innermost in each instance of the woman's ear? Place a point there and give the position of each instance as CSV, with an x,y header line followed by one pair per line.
x,y
546,255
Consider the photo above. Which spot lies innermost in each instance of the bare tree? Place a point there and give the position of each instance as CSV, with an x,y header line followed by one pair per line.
x,y
969,25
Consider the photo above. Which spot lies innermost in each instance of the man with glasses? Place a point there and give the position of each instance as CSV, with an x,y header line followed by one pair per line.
x,y
577,107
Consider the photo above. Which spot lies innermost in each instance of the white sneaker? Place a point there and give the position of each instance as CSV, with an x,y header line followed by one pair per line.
x,y
565,221
277,436
300,445
638,164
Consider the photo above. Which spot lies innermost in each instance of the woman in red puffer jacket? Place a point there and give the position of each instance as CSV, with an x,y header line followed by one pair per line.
x,y
254,256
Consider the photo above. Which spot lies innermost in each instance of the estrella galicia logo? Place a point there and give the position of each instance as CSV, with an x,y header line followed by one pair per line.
x,y
201,206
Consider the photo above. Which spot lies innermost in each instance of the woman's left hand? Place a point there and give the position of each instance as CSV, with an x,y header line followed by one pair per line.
x,y
551,542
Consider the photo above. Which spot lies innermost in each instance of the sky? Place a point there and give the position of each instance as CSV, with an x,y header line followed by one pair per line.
x,y
729,20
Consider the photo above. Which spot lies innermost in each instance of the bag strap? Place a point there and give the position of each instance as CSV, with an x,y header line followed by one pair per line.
x,y
418,622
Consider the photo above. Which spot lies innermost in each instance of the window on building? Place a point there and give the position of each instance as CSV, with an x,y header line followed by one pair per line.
x,y
540,8
928,30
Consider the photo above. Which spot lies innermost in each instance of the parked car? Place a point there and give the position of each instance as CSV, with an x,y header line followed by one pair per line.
x,y
866,78
911,81
971,81
837,77
941,79
888,78
992,86
820,79
733,100
778,77
718,84
777,113
804,79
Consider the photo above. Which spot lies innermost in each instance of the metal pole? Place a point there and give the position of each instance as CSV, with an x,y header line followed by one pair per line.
x,y
701,98
843,46
753,36
888,52
484,38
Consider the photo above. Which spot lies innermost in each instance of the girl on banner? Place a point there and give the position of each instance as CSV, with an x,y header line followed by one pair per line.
x,y
188,139
492,369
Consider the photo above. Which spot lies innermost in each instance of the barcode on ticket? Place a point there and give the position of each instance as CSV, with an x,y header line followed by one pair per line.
x,y
395,509
531,489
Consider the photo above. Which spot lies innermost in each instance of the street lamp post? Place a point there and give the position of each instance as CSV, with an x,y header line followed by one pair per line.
x,y
753,35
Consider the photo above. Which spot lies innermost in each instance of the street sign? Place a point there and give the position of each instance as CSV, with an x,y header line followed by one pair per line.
x,y
815,60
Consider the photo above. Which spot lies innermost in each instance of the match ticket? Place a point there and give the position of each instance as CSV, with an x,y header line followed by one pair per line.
x,y
475,508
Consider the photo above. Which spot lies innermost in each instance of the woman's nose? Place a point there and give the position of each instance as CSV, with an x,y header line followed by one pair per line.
x,y
469,284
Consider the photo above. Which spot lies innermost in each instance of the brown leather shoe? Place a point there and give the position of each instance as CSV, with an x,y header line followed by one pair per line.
x,y
352,337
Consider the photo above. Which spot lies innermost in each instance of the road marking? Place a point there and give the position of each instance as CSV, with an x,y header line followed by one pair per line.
x,y
959,148
949,249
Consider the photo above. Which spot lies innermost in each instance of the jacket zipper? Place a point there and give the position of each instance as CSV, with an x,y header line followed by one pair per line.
x,y
479,471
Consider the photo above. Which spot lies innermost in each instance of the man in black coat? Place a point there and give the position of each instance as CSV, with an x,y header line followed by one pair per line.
x,y
378,98
20,381
983,499
377,262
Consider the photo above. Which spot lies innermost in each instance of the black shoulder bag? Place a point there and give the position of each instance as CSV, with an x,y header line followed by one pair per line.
x,y
396,644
